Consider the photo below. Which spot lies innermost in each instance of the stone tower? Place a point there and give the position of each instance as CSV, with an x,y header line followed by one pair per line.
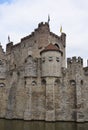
x,y
51,61
51,71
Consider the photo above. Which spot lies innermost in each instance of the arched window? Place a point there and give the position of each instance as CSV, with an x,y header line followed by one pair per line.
x,y
28,59
44,82
30,56
57,82
1,62
57,45
81,82
2,85
18,73
34,83
25,82
72,83
14,65
11,73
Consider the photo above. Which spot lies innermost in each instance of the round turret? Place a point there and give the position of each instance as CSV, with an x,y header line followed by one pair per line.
x,y
51,61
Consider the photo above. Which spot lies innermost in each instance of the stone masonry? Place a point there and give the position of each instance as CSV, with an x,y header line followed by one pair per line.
x,y
35,83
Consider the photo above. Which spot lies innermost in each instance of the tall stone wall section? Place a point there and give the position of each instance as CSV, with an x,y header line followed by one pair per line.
x,y
34,89
85,92
76,78
3,90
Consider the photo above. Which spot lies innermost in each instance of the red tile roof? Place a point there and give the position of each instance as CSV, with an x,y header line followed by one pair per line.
x,y
51,47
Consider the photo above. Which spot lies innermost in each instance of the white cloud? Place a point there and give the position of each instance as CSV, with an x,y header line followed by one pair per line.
x,y
20,17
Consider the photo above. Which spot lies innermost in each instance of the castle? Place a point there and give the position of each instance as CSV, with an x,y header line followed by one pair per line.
x,y
35,83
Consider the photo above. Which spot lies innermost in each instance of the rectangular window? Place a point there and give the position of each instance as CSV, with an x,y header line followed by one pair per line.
x,y
50,58
57,59
43,59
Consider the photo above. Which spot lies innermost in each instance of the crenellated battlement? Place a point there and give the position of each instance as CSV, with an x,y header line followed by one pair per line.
x,y
1,50
63,39
54,35
43,24
75,60
42,27
9,47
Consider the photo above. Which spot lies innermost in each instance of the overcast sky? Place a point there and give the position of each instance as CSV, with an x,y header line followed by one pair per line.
x,y
19,18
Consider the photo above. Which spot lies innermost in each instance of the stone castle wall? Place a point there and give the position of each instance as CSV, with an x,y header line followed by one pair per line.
x,y
40,87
